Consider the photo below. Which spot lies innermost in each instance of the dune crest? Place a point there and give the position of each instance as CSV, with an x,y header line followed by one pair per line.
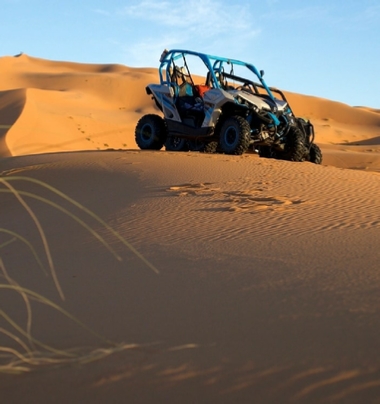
x,y
72,106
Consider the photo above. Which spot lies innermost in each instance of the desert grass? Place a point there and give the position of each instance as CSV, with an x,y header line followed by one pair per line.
x,y
25,353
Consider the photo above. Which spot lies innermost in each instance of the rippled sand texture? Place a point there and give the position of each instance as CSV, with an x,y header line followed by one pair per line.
x,y
231,279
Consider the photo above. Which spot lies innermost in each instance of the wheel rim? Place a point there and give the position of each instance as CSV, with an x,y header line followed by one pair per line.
x,y
146,132
176,142
230,136
196,146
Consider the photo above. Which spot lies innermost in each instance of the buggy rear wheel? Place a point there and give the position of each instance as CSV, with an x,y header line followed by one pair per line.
x,y
150,132
210,147
295,148
175,143
265,151
203,147
235,135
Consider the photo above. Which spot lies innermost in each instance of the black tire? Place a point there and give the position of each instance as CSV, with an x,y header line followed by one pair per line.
x,y
203,147
195,145
209,147
295,148
150,132
175,143
315,155
265,151
234,135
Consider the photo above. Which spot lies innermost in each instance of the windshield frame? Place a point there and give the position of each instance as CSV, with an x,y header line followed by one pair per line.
x,y
215,65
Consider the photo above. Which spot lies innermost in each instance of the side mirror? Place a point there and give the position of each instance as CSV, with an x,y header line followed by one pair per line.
x,y
262,73
163,54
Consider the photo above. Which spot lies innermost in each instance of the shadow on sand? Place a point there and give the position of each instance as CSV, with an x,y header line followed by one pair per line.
x,y
11,105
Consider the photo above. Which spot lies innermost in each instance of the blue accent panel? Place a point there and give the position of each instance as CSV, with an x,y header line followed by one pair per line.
x,y
275,119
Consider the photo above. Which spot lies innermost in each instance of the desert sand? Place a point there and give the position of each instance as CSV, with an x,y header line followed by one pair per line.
x,y
135,276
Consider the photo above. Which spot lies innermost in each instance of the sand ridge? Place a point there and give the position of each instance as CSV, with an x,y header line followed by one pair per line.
x,y
263,271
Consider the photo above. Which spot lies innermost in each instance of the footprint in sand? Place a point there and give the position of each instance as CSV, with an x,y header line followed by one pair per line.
x,y
253,200
261,204
194,189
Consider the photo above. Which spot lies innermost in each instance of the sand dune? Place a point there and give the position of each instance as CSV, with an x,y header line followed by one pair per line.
x,y
71,106
11,105
203,278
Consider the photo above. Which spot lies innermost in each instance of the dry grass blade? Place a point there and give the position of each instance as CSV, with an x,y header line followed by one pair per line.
x,y
84,209
17,236
40,230
44,300
12,240
74,217
17,339
25,298
25,334
23,356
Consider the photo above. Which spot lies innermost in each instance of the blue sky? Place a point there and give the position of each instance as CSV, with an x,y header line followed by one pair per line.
x,y
327,48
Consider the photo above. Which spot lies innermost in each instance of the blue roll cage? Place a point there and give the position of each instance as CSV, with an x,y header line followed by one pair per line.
x,y
214,64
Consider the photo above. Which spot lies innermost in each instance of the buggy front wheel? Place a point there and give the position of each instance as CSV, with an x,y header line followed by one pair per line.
x,y
295,148
235,135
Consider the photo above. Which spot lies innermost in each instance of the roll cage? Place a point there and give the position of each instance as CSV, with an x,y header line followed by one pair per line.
x,y
216,68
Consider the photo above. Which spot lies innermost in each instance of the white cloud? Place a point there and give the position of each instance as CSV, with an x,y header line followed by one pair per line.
x,y
204,25
210,17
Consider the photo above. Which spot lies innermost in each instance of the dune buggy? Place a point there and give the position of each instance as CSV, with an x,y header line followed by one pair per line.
x,y
222,105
